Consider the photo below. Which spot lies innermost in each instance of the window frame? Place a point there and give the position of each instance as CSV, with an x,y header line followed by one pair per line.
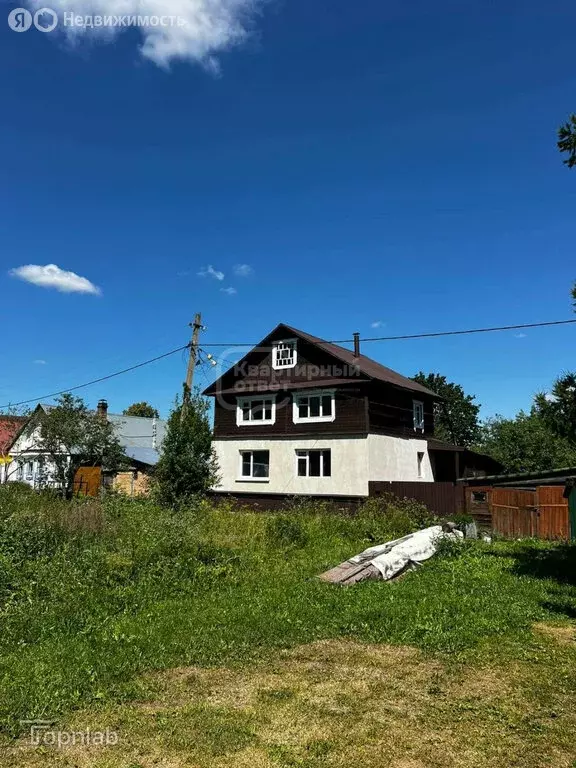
x,y
418,425
251,478
320,393
240,422
275,347
304,453
420,456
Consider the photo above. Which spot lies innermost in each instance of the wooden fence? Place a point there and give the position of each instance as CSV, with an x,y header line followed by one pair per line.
x,y
519,513
445,499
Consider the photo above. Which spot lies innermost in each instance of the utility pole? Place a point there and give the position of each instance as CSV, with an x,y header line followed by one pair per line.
x,y
192,360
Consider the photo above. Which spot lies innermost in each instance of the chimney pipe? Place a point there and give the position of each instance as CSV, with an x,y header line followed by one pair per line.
x,y
102,409
356,344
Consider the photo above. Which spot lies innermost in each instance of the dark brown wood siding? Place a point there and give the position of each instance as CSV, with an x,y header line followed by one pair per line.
x,y
444,499
390,411
350,407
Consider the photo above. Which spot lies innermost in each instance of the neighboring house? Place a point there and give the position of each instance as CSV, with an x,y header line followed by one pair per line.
x,y
301,416
9,427
140,438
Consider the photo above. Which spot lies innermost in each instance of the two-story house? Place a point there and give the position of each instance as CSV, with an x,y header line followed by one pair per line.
x,y
301,416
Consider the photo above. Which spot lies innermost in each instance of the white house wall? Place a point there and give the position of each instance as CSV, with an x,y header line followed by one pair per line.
x,y
25,448
349,459
396,459
355,461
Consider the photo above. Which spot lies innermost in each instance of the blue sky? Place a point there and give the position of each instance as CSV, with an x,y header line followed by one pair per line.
x,y
385,162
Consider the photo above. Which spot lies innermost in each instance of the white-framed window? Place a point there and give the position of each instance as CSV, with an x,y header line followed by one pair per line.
x,y
256,409
29,470
314,463
314,406
418,411
284,354
255,465
420,461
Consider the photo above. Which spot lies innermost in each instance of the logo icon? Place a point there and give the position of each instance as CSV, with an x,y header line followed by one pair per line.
x,y
19,20
45,20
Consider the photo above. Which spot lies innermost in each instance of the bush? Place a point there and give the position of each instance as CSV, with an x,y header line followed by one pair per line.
x,y
285,531
388,517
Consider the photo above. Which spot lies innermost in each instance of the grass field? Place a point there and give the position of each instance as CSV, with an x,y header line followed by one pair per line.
x,y
203,638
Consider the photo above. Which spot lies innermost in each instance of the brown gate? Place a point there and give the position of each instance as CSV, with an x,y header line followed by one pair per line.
x,y
540,513
87,481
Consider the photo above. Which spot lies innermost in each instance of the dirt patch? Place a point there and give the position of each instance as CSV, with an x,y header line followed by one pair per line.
x,y
561,634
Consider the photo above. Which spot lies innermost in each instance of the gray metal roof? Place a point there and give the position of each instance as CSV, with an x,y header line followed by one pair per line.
x,y
137,431
143,455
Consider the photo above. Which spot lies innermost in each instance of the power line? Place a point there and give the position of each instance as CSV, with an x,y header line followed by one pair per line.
x,y
253,344
95,381
409,336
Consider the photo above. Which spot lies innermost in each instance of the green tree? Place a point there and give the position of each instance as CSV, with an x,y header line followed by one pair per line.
x,y
525,444
456,417
71,436
567,140
141,409
558,407
187,465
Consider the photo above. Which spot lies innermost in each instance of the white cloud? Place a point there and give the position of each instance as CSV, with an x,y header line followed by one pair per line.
x,y
377,324
188,30
230,291
51,276
550,397
209,271
39,362
519,335
243,270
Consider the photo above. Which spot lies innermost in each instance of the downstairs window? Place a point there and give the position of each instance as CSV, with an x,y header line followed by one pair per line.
x,y
254,465
314,463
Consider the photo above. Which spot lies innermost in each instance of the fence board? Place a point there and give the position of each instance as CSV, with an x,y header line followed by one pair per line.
x,y
445,499
519,513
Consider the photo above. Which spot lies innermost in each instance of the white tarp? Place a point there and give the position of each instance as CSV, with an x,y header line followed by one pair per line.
x,y
391,558
394,556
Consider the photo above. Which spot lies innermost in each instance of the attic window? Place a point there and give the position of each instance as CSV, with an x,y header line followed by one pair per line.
x,y
284,354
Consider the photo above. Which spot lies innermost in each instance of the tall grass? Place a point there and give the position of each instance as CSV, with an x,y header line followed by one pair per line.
x,y
92,595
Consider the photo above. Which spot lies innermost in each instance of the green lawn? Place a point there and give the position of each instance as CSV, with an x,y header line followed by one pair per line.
x,y
203,638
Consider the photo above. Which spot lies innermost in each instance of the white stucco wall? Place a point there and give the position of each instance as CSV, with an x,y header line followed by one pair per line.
x,y
349,457
355,462
396,459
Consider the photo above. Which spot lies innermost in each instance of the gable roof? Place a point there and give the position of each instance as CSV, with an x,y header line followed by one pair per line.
x,y
9,427
366,365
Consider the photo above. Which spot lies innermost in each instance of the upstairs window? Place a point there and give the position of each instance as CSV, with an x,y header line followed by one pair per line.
x,y
256,410
254,465
314,406
314,463
418,411
284,354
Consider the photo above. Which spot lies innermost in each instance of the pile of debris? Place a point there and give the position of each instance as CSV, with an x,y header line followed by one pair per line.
x,y
390,560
